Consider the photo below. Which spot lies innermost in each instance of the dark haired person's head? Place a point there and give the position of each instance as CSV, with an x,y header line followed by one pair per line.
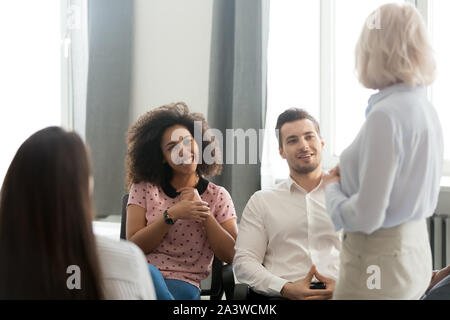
x,y
163,142
299,139
46,220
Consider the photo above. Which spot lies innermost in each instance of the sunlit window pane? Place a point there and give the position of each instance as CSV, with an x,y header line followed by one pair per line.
x,y
30,74
350,96
440,28
293,67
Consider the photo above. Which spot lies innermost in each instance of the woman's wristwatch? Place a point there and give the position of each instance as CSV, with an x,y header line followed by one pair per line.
x,y
167,218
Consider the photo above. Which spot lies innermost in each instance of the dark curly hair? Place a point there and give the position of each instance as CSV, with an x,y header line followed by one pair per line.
x,y
144,160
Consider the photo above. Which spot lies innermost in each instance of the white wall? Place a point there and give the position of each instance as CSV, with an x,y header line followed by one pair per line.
x,y
171,54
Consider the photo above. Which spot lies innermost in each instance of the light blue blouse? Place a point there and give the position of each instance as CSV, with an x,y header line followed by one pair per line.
x,y
391,172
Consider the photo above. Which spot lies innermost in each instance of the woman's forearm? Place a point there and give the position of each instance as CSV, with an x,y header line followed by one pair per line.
x,y
221,241
151,236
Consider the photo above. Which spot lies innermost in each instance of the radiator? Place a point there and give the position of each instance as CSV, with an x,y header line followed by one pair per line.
x,y
439,234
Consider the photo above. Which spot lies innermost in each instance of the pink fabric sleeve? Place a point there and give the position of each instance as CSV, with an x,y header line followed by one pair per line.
x,y
137,195
224,207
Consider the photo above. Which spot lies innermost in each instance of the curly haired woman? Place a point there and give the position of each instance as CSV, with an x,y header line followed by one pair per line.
x,y
177,217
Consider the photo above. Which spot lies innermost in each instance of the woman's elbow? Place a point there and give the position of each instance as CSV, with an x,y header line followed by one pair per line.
x,y
369,226
227,256
141,245
230,257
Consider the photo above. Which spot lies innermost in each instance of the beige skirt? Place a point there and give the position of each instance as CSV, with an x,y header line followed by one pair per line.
x,y
393,263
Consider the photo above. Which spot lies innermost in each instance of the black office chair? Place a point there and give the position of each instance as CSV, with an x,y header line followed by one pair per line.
x,y
222,276
234,291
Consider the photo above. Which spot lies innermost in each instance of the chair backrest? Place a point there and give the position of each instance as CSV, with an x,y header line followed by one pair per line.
x,y
216,291
123,221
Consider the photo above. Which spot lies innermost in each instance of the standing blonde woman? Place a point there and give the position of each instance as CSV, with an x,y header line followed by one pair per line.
x,y
387,182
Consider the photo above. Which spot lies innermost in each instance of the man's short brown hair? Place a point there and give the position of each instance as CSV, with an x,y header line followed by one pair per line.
x,y
291,115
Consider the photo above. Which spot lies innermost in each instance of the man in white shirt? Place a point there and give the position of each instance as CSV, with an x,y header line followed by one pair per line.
x,y
286,239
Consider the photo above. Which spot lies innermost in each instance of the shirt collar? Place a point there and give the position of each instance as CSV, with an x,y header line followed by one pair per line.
x,y
383,93
169,190
292,184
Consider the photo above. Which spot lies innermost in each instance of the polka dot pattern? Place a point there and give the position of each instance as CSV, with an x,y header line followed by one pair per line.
x,y
184,252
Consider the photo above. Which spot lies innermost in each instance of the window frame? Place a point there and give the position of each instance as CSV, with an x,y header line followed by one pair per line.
x,y
424,8
66,70
327,81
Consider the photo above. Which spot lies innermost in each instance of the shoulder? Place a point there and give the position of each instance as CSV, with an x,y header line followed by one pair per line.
x,y
384,117
143,189
124,270
268,197
142,186
119,248
257,200
217,194
220,197
217,190
119,258
272,192
410,102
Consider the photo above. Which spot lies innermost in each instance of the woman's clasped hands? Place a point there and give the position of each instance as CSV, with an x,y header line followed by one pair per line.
x,y
190,206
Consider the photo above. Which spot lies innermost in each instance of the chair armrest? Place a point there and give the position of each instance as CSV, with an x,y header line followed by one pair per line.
x,y
228,281
240,291
233,291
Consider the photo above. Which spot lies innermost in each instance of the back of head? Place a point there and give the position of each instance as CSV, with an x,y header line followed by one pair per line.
x,y
393,48
45,220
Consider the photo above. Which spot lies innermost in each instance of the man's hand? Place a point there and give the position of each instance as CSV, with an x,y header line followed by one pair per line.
x,y
329,282
333,176
438,276
299,290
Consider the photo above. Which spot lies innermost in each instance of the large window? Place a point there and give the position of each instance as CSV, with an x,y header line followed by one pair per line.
x,y
293,77
314,67
350,96
30,76
439,24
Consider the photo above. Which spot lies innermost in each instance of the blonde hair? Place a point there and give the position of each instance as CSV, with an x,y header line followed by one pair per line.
x,y
397,50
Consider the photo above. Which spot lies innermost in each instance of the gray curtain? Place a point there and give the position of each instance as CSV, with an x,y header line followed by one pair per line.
x,y
108,98
75,66
237,94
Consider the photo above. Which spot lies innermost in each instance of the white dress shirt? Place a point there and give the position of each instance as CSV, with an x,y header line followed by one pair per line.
x,y
391,172
125,275
283,231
